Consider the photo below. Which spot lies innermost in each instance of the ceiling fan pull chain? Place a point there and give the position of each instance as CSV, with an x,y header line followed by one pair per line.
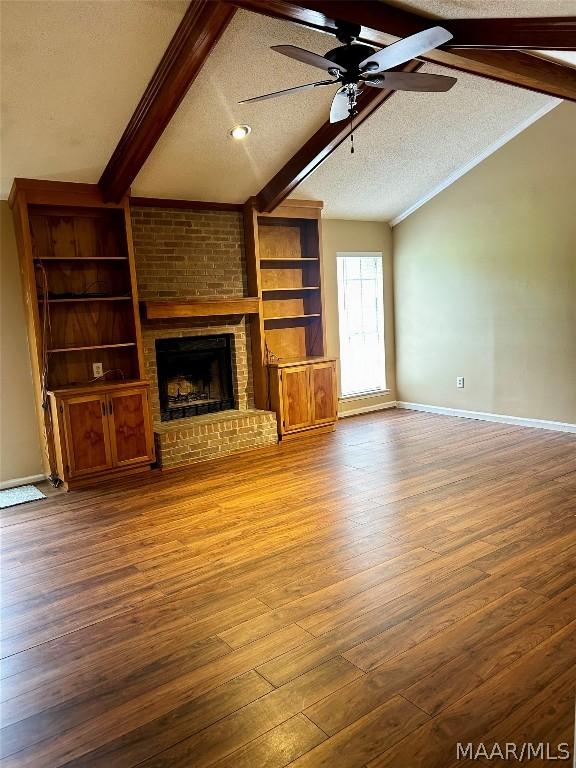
x,y
351,132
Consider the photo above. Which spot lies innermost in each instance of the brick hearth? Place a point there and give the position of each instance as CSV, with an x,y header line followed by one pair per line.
x,y
199,438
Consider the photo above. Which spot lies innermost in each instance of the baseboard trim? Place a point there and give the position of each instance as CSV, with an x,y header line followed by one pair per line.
x,y
15,482
367,409
518,421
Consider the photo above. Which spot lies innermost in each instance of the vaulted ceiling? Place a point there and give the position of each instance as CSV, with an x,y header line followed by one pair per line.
x,y
73,74
204,162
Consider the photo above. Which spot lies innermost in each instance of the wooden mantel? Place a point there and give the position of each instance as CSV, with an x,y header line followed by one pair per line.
x,y
156,309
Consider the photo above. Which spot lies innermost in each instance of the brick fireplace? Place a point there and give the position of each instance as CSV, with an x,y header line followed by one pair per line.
x,y
184,254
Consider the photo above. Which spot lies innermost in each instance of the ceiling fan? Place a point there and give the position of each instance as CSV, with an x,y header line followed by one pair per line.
x,y
353,65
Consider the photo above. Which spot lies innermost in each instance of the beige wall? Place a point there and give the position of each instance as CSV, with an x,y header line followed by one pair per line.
x,y
341,236
19,441
485,282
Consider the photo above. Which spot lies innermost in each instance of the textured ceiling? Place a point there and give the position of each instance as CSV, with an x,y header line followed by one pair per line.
x,y
72,74
462,9
74,71
196,158
414,142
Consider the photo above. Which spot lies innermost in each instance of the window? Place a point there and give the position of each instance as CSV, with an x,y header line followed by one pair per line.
x,y
361,321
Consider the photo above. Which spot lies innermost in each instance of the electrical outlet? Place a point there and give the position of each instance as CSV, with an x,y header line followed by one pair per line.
x,y
460,382
97,370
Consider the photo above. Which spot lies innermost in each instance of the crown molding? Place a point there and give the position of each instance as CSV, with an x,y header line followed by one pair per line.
x,y
463,169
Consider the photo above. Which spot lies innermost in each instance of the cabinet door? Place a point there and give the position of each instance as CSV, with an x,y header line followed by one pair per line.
x,y
87,434
296,403
130,431
324,397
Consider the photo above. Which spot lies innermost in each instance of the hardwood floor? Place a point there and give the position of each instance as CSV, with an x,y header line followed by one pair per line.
x,y
369,597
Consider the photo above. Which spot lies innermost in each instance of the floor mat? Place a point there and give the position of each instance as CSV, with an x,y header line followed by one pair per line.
x,y
24,493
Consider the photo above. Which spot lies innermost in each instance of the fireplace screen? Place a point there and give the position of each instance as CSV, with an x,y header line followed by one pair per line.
x,y
194,376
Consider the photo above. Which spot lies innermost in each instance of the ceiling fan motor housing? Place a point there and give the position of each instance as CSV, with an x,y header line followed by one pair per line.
x,y
350,57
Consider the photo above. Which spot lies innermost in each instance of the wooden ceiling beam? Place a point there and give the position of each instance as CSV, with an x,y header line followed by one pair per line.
x,y
198,32
383,24
550,33
320,146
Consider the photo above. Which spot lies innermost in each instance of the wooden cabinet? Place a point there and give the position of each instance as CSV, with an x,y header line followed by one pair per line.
x,y
304,396
130,429
86,427
103,431
324,394
296,401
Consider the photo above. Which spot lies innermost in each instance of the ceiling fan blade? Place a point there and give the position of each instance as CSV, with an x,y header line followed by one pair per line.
x,y
301,54
412,81
339,109
288,90
406,49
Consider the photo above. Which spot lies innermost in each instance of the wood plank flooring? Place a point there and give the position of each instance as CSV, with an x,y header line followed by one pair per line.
x,y
369,597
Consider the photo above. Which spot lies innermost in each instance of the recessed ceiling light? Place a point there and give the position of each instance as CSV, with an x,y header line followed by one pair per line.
x,y
240,132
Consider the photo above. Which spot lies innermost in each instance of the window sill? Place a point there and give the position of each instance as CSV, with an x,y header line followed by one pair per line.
x,y
365,395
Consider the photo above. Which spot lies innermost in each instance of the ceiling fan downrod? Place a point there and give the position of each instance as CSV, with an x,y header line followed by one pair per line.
x,y
346,32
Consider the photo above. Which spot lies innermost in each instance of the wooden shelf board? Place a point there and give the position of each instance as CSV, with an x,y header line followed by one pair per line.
x,y
200,307
294,260
292,290
293,317
80,258
285,362
95,346
97,385
70,299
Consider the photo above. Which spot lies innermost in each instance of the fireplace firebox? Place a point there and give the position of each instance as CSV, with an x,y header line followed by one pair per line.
x,y
194,375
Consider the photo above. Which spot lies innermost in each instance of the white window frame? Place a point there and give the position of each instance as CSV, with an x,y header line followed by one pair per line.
x,y
382,329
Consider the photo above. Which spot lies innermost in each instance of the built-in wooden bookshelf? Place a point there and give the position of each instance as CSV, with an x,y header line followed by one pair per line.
x,y
81,299
83,285
284,270
290,282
